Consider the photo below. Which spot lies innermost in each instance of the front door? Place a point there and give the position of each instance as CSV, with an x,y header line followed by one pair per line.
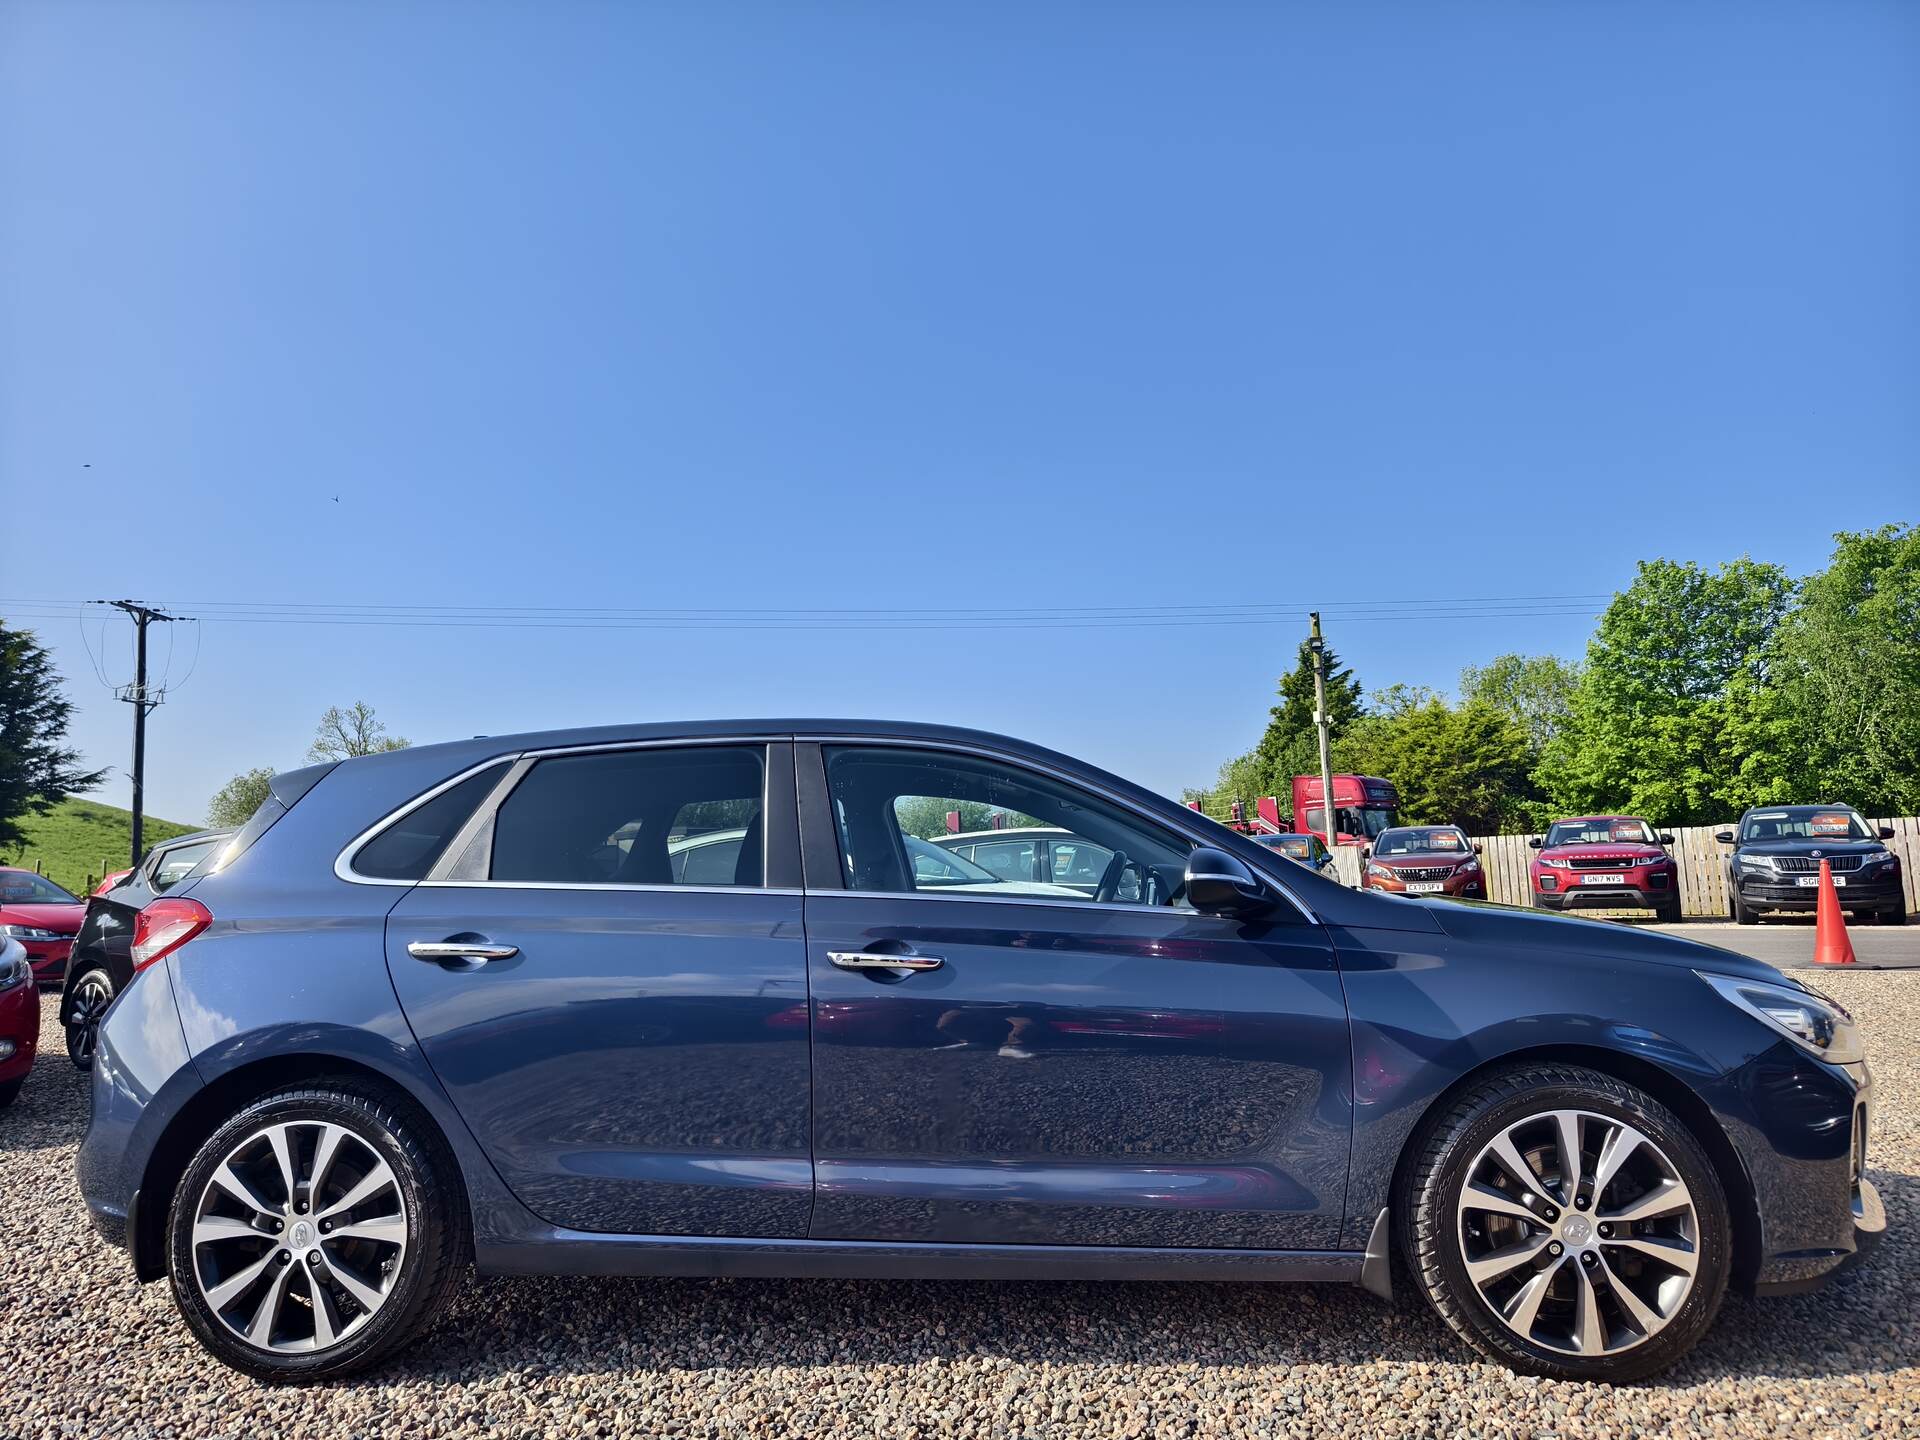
x,y
633,1056
1064,1066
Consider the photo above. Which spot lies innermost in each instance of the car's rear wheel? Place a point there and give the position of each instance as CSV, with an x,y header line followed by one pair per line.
x,y
92,994
1567,1224
315,1233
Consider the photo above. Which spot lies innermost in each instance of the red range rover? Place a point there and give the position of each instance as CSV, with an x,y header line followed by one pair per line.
x,y
1605,860
1424,860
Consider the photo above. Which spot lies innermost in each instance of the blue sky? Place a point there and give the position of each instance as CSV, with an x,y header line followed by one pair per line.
x,y
927,308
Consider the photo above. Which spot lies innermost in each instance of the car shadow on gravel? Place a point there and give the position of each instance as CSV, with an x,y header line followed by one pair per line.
x,y
1858,1325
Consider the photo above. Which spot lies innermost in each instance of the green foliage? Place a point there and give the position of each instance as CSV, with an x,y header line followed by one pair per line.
x,y
1703,691
343,734
926,816
1673,693
1845,666
234,803
1469,765
37,770
73,839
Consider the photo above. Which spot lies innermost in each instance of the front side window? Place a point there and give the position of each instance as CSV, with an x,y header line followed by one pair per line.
x,y
892,805
635,817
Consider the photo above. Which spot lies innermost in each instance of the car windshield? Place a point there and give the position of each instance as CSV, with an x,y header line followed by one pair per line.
x,y
23,887
1444,839
1804,822
933,865
1603,830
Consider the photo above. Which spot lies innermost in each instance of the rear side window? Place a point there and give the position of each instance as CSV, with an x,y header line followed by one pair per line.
x,y
636,817
175,863
408,848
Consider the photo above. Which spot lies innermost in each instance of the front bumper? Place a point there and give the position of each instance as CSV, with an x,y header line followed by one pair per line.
x,y
49,959
1784,892
1647,886
1804,1144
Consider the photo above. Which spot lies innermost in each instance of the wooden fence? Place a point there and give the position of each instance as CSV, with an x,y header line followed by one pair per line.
x,y
1702,861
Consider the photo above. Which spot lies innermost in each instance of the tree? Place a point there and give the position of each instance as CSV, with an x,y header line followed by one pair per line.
x,y
1845,664
1536,690
342,734
1291,744
1672,712
234,803
37,770
1469,765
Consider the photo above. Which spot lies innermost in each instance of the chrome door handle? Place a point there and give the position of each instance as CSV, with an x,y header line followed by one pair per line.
x,y
460,950
872,960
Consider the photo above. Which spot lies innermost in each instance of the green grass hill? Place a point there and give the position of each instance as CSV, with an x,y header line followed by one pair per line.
x,y
73,839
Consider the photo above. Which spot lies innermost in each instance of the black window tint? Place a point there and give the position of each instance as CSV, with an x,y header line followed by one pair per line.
x,y
635,817
408,848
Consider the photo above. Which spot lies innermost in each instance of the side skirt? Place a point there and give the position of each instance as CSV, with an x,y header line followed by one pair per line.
x,y
580,1252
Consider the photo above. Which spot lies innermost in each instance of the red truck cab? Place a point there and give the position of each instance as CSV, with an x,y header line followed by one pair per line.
x,y
1363,806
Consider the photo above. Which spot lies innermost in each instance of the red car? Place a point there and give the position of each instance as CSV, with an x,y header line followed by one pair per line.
x,y
42,917
111,881
1605,860
19,1019
1424,860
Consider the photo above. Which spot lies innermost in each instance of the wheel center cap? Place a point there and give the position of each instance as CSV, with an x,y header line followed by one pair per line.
x,y
1577,1231
301,1236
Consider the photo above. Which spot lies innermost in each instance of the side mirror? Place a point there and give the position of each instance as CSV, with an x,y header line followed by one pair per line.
x,y
1886,832
1218,884
1665,839
1366,852
1536,843
1478,850
1725,837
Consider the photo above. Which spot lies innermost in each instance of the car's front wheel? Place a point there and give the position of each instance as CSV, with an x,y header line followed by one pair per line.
x,y
315,1233
92,994
1567,1224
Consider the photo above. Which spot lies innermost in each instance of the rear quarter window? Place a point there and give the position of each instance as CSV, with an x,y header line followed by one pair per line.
x,y
411,844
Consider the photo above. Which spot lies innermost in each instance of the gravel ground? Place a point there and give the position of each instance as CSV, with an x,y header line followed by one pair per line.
x,y
84,1351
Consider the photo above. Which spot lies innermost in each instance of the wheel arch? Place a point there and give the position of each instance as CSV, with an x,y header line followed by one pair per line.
x,y
215,1102
1669,1089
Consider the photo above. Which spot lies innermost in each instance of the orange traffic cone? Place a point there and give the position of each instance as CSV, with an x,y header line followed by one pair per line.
x,y
1830,943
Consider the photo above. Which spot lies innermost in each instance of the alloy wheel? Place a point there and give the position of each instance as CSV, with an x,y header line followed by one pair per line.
x,y
91,997
299,1236
1578,1232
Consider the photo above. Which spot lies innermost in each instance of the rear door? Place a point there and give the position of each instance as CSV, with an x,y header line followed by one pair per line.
x,y
629,1047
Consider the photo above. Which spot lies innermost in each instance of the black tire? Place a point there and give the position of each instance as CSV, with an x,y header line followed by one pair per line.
x,y
1897,915
1741,914
426,1179
1540,902
1667,912
91,995
10,1091
1429,1230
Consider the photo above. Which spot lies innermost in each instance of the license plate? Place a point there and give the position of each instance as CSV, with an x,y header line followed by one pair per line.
x,y
1603,879
1425,887
1808,881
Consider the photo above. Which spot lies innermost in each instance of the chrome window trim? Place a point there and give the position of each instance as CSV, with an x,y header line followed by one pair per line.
x,y
691,888
1057,902
895,742
518,763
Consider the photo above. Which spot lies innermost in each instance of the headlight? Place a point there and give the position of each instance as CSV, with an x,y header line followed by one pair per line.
x,y
16,971
1472,867
1757,862
1878,856
1381,872
1558,862
1651,860
29,932
1816,1024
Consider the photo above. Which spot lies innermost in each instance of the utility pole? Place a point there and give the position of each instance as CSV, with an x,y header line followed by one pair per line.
x,y
1324,724
143,700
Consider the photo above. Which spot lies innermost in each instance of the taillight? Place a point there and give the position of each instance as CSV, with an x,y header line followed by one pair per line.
x,y
164,926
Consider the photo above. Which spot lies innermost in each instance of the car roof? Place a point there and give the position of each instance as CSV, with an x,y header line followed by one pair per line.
x,y
1594,819
192,837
